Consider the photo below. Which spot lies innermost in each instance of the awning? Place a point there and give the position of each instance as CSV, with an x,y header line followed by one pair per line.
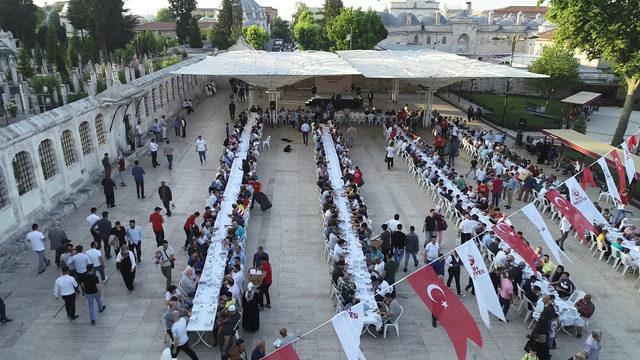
x,y
271,70
274,70
582,98
586,145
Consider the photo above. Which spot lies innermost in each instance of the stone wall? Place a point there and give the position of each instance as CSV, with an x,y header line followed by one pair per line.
x,y
50,162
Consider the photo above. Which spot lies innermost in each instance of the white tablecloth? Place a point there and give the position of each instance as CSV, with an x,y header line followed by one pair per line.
x,y
356,262
205,302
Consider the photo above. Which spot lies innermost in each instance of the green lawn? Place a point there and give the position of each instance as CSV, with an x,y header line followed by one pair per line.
x,y
516,110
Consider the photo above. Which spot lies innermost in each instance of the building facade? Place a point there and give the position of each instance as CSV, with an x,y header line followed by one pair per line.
x,y
47,160
458,31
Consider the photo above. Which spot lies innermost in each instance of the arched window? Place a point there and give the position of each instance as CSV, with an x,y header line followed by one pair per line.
x,y
415,39
85,138
100,132
68,148
179,85
153,99
161,92
462,43
428,40
4,195
47,159
146,105
168,92
23,172
444,40
173,88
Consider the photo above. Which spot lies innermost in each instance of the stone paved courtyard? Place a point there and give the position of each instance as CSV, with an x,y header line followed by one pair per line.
x,y
131,327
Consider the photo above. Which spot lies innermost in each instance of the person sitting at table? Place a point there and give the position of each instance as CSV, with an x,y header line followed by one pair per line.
x,y
603,243
189,281
627,260
500,260
586,309
547,267
617,244
494,247
515,272
555,277
392,311
565,286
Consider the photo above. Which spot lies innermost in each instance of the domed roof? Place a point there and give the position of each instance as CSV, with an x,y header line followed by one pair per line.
x,y
407,19
507,21
206,19
431,19
250,6
533,24
481,19
387,19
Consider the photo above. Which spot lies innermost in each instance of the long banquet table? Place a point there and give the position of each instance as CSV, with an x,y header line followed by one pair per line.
x,y
205,302
354,258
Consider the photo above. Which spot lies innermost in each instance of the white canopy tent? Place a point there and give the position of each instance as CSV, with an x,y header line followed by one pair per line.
x,y
274,70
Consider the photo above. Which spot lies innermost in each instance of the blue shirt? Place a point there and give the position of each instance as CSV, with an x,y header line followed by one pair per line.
x,y
138,173
240,231
134,235
257,260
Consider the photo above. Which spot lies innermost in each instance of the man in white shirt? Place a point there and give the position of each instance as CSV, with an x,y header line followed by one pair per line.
x,y
305,128
166,260
234,289
80,261
66,286
36,238
467,227
153,148
565,228
97,260
500,260
390,153
201,149
431,250
91,220
180,337
393,223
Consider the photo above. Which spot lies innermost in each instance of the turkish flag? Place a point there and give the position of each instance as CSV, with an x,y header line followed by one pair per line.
x,y
566,208
587,178
508,235
621,173
632,142
447,308
284,353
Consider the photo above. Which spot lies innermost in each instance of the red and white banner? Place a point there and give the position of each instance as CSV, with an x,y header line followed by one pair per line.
x,y
485,294
611,184
284,353
508,235
348,325
622,181
447,308
629,165
536,218
587,178
566,208
581,201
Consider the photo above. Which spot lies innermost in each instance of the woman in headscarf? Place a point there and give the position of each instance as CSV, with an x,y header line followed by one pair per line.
x,y
251,312
441,224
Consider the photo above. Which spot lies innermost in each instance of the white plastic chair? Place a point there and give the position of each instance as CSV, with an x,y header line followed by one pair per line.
x,y
267,142
577,295
164,326
394,324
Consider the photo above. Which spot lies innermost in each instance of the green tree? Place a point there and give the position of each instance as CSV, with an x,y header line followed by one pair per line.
x,y
182,10
256,36
19,17
331,9
78,15
195,36
365,28
165,14
300,8
220,35
604,29
74,49
280,30
580,124
24,64
562,68
306,31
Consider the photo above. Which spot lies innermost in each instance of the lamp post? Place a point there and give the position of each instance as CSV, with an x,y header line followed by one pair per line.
x,y
514,39
506,100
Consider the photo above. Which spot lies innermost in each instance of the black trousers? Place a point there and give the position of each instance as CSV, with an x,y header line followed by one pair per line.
x,y
70,305
170,161
140,188
186,349
505,303
454,274
464,237
128,277
107,247
110,198
3,313
154,158
184,131
167,207
137,247
264,292
232,114
305,137
187,241
177,131
159,237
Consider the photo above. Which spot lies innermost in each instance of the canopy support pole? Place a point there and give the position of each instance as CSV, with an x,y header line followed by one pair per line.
x,y
273,96
428,108
395,91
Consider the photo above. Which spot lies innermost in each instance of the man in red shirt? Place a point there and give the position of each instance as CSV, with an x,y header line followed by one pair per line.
x,y
157,222
357,177
188,228
496,189
483,189
265,266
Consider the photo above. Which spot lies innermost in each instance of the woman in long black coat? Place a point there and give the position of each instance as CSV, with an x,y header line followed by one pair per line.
x,y
250,310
